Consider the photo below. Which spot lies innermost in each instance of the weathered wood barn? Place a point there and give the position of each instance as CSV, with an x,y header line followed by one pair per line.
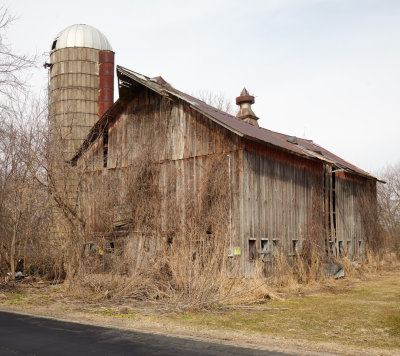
x,y
282,193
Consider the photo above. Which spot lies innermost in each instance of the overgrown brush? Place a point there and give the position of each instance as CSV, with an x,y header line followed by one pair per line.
x,y
177,249
176,242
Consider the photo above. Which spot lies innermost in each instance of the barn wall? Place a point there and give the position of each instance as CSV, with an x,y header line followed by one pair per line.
x,y
355,213
282,199
274,194
178,131
187,147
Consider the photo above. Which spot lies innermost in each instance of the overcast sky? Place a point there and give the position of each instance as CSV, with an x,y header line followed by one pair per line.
x,y
326,70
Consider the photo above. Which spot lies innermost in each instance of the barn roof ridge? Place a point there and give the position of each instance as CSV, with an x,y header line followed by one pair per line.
x,y
298,146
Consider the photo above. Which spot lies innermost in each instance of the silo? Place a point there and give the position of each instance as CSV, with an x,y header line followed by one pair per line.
x,y
81,84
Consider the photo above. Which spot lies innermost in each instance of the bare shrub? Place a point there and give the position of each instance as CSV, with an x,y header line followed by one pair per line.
x,y
389,208
197,256
25,242
23,201
189,272
143,192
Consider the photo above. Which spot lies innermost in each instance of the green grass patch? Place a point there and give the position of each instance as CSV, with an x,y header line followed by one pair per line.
x,y
116,313
17,298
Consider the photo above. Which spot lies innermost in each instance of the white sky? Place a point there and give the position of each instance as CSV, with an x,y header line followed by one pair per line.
x,y
326,70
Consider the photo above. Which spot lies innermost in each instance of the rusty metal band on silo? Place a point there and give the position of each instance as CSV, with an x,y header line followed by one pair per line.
x,y
106,81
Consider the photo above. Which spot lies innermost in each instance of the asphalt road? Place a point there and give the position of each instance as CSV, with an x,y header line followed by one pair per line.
x,y
27,335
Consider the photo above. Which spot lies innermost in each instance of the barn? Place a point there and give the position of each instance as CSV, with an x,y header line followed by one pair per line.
x,y
159,163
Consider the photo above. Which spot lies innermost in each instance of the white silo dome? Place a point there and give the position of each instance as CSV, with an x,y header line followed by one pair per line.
x,y
81,36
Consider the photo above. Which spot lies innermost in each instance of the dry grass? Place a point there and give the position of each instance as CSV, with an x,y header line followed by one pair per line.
x,y
368,316
160,286
354,317
192,271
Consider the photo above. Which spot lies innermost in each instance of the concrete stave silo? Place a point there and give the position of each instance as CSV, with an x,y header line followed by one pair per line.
x,y
81,84
81,88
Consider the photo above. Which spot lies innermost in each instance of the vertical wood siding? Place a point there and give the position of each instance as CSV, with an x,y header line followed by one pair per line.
x,y
355,209
185,144
281,199
275,194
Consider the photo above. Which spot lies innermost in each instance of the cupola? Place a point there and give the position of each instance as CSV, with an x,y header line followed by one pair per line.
x,y
245,113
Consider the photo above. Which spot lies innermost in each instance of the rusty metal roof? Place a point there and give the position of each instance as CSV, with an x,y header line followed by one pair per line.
x,y
297,146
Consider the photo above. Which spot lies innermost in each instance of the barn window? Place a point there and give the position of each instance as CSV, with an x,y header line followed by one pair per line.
x,y
349,247
264,245
91,249
146,244
360,247
275,245
295,246
334,201
341,250
331,200
168,236
252,249
53,46
105,149
265,250
331,247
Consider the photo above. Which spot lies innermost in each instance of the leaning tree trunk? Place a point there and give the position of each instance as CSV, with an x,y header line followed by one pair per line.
x,y
12,252
14,242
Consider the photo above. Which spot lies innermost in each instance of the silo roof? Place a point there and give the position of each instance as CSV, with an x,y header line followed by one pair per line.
x,y
81,35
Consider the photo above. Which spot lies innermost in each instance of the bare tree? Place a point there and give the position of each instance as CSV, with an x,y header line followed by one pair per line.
x,y
13,66
22,201
389,204
18,142
217,100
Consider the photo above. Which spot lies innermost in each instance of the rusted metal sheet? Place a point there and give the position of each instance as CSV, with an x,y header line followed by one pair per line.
x,y
106,81
301,147
279,155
